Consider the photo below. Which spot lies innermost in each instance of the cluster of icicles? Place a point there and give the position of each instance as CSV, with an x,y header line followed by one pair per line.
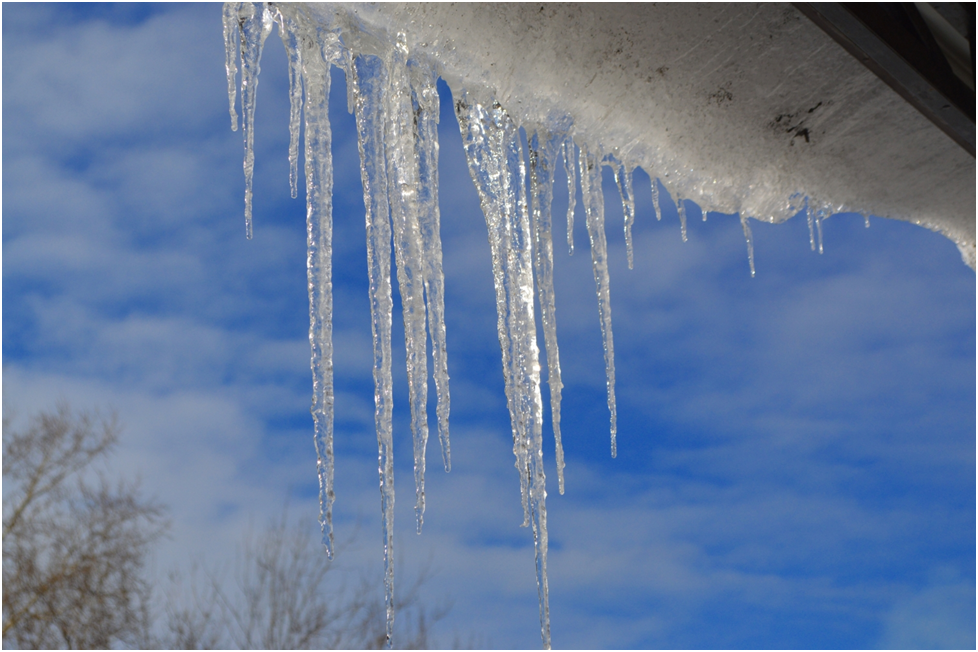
x,y
395,99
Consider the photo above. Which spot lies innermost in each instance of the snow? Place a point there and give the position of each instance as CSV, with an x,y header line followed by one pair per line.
x,y
634,88
714,100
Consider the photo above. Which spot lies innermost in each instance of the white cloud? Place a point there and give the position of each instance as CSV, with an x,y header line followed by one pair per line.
x,y
778,435
940,616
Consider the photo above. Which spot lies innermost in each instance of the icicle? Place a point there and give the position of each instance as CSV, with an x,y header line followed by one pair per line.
x,y
749,238
866,218
288,31
403,182
319,231
818,223
368,82
494,153
681,209
542,158
810,214
594,208
426,108
623,177
484,150
655,200
254,29
571,170
231,31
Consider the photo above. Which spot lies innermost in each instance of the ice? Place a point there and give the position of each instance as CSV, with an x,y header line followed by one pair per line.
x,y
623,177
368,80
571,170
231,32
403,187
810,214
496,163
485,144
392,89
681,209
288,30
655,200
254,28
426,109
594,209
749,238
319,234
543,156
821,213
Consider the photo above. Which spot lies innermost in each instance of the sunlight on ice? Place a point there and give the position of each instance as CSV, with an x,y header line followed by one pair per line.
x,y
495,156
571,170
367,80
392,91
593,197
543,156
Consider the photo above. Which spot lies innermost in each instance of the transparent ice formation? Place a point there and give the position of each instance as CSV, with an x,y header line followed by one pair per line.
x,y
392,92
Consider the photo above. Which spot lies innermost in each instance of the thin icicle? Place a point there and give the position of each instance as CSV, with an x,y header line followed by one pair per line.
x,y
681,209
623,177
655,200
571,169
817,212
254,29
426,108
231,31
369,81
319,232
494,152
819,216
594,207
810,214
403,183
543,156
288,31
866,218
749,238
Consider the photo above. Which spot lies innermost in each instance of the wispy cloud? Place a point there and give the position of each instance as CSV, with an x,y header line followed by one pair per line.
x,y
796,451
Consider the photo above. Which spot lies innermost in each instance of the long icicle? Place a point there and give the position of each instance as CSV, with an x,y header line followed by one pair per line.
x,y
594,207
254,29
369,81
495,157
543,156
402,177
484,156
427,107
524,333
319,232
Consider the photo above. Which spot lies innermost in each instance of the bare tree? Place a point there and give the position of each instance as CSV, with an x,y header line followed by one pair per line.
x,y
75,547
285,594
74,544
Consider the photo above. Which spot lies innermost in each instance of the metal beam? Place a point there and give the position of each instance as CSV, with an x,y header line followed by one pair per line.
x,y
894,42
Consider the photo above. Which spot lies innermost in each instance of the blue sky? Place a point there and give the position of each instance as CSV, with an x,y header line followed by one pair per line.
x,y
796,451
